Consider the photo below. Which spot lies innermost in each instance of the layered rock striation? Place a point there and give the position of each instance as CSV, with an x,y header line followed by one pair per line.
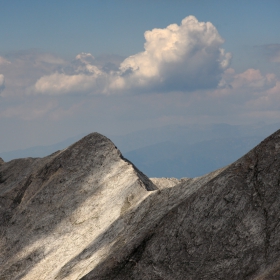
x,y
88,213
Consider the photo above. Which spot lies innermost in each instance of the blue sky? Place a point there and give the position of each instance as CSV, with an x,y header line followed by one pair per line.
x,y
68,67
70,27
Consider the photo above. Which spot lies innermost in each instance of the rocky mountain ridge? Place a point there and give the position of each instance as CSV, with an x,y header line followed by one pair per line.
x,y
87,213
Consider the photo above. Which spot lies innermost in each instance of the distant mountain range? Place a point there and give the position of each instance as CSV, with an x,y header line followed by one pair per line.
x,y
174,151
170,159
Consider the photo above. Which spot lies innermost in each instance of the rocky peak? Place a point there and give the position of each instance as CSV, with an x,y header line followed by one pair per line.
x,y
70,197
87,213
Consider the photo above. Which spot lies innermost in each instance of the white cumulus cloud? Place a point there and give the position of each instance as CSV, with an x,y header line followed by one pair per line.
x,y
59,83
81,76
251,79
179,57
182,57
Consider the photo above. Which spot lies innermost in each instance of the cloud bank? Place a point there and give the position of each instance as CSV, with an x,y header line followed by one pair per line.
x,y
184,57
185,61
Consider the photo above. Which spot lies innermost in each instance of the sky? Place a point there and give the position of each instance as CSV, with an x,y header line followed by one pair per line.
x,y
72,67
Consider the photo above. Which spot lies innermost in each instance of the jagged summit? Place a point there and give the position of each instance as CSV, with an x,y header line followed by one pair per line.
x,y
87,213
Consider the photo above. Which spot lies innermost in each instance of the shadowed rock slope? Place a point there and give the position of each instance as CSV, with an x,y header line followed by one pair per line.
x,y
229,228
87,213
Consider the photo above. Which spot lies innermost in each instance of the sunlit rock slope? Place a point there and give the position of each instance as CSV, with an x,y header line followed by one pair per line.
x,y
54,208
87,213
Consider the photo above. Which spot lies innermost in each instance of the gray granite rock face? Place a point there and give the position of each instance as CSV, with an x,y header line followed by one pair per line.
x,y
227,229
87,213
